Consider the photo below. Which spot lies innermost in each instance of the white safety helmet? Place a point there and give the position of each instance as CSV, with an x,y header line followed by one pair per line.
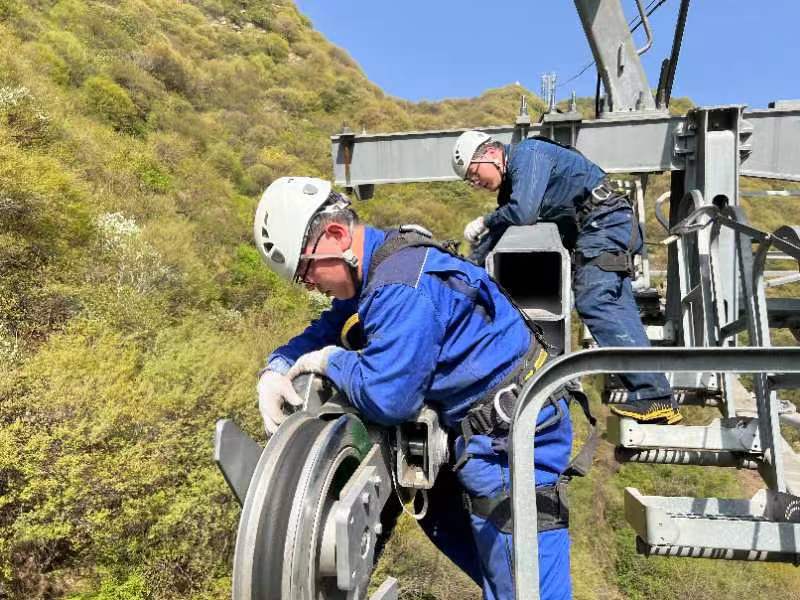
x,y
464,149
282,218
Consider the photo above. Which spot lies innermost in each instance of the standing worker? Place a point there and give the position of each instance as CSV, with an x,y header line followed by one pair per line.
x,y
540,180
436,331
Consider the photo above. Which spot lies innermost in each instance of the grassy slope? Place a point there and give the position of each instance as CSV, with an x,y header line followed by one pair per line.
x,y
135,137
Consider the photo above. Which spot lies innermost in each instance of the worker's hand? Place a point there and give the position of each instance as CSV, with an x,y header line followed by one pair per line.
x,y
475,230
274,392
313,362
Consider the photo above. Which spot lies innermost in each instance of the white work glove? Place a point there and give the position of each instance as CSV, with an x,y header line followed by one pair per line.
x,y
475,230
313,362
274,391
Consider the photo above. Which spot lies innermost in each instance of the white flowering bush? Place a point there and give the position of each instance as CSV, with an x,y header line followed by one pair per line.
x,y
131,261
22,114
10,351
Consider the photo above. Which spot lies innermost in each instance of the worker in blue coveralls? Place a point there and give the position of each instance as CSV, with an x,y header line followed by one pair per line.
x,y
436,331
540,180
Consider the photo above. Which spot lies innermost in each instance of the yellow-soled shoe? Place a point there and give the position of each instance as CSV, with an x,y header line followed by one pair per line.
x,y
648,411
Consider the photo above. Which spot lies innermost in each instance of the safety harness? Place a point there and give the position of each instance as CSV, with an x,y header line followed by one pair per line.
x,y
605,197
492,414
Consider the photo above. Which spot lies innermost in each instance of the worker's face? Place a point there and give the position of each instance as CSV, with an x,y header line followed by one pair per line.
x,y
324,270
487,173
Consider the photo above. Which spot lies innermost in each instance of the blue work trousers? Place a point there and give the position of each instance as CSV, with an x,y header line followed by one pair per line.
x,y
475,544
605,302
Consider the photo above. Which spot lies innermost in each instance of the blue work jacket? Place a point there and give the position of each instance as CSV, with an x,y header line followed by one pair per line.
x,y
546,182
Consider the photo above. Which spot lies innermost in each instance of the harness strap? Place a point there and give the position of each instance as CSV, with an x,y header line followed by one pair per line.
x,y
552,508
581,464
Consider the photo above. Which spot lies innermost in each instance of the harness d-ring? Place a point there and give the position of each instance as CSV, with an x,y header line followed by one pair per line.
x,y
510,388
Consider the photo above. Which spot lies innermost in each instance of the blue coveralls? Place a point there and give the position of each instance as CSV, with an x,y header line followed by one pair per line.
x,y
546,182
439,332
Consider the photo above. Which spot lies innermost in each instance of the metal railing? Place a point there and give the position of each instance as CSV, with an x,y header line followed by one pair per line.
x,y
589,362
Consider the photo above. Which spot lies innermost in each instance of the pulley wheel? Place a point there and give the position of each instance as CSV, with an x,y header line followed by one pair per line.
x,y
280,552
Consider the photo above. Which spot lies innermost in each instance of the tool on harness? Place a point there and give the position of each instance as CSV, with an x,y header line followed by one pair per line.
x,y
552,508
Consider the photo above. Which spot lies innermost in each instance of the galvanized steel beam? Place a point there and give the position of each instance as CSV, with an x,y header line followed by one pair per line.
x,y
631,144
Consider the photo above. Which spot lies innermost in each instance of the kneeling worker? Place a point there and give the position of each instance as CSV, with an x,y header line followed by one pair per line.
x,y
437,331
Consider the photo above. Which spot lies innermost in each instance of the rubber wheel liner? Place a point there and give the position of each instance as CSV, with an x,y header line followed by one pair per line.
x,y
297,481
258,570
330,463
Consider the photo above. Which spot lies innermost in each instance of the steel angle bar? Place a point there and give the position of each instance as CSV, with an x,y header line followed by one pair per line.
x,y
604,360
402,157
630,144
721,524
733,434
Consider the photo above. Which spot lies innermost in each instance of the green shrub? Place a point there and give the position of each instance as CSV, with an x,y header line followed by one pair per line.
x,y
153,176
276,47
52,64
8,8
167,66
251,281
133,588
341,95
72,51
112,103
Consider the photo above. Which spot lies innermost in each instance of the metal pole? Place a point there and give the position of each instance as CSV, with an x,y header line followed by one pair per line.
x,y
676,49
648,32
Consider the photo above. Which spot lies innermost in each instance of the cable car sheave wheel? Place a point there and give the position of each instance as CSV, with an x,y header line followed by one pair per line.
x,y
311,516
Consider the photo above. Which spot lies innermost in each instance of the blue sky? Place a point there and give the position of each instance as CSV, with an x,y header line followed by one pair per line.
x,y
734,51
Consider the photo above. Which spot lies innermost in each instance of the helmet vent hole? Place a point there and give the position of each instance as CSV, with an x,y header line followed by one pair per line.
x,y
277,257
268,246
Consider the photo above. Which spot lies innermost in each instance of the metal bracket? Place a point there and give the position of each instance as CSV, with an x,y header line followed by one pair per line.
x,y
357,521
421,450
713,527
236,455
733,435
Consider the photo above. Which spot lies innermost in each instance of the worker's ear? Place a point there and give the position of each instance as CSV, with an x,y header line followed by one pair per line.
x,y
495,154
340,233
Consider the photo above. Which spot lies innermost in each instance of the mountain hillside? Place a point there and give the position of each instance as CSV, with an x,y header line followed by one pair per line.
x,y
135,139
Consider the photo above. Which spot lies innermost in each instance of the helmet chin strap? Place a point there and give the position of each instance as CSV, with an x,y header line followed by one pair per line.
x,y
351,260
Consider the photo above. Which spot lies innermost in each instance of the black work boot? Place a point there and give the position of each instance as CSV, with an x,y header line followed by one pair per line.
x,y
657,411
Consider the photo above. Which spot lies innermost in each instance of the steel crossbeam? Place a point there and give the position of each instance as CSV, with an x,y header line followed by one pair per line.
x,y
637,143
